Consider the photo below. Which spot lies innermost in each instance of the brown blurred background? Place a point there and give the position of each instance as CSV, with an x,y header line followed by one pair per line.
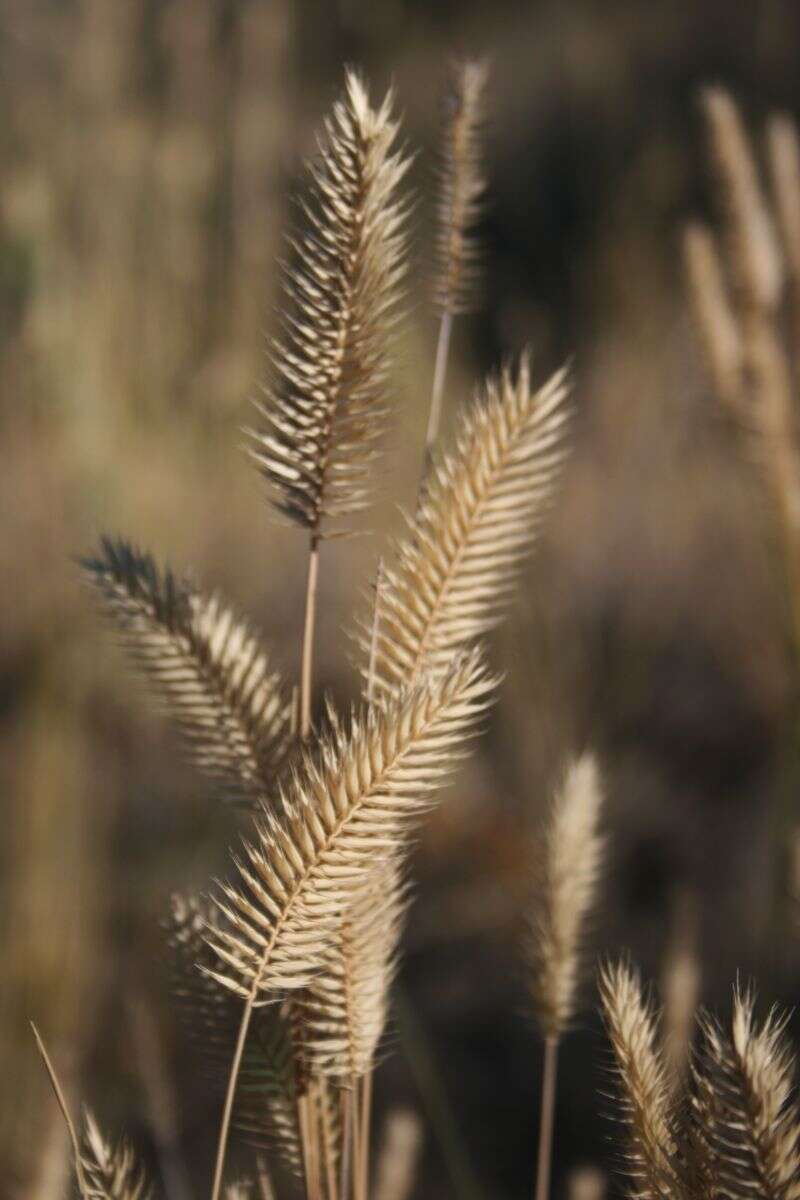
x,y
147,150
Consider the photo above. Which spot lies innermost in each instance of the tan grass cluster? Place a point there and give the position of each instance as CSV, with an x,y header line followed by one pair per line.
x,y
566,876
454,573
345,808
283,976
323,415
736,1135
737,286
111,1172
646,1100
462,188
208,666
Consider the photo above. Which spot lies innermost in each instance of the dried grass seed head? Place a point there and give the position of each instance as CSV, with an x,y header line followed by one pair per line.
x,y
208,666
753,254
324,410
647,1108
112,1172
346,809
453,574
461,188
566,877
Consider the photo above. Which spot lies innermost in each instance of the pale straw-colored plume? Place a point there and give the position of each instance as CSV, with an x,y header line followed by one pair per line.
x,y
652,1143
461,190
745,1107
396,1166
111,1171
483,502
755,267
719,336
461,187
344,810
208,667
345,1006
324,410
567,870
752,251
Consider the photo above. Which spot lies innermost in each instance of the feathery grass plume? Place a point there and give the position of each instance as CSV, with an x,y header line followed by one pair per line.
x,y
652,1150
342,813
208,667
477,519
745,1107
324,412
265,1114
751,249
345,1005
111,1171
461,188
569,864
719,336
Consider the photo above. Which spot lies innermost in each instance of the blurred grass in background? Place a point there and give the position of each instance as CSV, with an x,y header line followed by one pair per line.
x,y
147,148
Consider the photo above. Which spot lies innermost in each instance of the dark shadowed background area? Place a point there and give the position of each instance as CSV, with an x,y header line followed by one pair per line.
x,y
147,153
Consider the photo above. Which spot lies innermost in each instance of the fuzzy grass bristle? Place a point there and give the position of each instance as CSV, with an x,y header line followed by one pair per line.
x,y
481,507
324,410
461,188
111,1172
745,1106
345,1006
752,254
208,667
647,1108
567,872
343,812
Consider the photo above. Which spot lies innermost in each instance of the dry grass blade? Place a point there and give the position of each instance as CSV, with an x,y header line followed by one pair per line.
x,y
752,252
324,412
462,186
345,1006
567,872
480,511
652,1145
208,666
111,1171
343,812
265,1115
745,1108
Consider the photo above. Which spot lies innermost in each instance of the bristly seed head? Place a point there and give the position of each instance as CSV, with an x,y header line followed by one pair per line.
x,y
325,407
